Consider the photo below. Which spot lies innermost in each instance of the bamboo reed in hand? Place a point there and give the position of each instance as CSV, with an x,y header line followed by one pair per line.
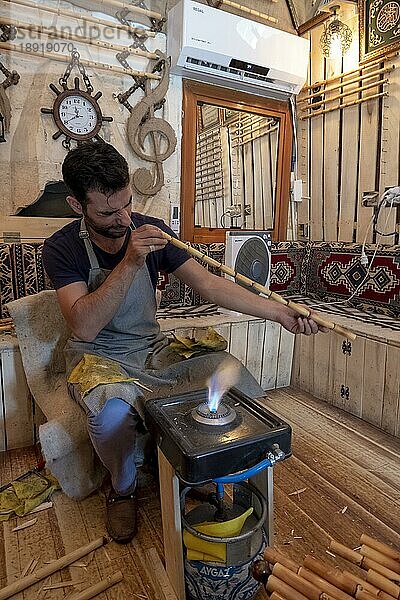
x,y
301,310
64,561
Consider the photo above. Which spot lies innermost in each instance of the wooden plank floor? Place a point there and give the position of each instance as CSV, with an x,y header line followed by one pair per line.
x,y
348,470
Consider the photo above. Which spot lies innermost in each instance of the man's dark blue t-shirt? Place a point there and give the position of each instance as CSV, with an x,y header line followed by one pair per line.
x,y
66,261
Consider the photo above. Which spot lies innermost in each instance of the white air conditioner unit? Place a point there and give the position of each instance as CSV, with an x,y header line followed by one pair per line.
x,y
215,46
249,253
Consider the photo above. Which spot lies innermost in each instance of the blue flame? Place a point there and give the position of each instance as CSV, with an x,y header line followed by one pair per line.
x,y
221,381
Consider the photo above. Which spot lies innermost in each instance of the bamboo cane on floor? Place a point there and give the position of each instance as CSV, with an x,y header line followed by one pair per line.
x,y
301,310
64,561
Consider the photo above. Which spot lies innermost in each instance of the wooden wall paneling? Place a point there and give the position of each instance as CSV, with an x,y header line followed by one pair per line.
x,y
17,401
316,144
248,197
331,162
295,377
367,164
321,360
225,199
349,161
391,393
306,378
225,331
258,187
270,355
355,377
337,372
374,382
239,186
266,183
238,346
390,143
273,144
303,163
285,358
3,440
255,341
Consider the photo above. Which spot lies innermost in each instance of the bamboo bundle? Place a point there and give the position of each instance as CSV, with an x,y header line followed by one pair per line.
x,y
363,561
349,82
315,580
368,65
301,310
313,105
383,548
341,106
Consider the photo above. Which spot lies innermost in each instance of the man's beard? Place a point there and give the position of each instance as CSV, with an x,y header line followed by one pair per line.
x,y
113,232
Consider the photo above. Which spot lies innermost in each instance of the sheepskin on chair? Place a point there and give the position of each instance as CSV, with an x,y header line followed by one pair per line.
x,y
42,332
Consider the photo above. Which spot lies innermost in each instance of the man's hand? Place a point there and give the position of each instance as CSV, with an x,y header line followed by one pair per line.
x,y
296,323
143,240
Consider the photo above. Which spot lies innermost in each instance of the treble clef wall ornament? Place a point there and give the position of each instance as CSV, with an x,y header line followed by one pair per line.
x,y
151,138
11,78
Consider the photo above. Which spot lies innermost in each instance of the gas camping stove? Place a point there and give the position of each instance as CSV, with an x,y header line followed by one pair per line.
x,y
202,445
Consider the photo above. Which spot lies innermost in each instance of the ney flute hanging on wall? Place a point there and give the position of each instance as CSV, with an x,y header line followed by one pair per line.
x,y
301,310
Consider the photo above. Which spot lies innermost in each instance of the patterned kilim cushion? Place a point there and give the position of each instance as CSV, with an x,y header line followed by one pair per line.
x,y
21,272
286,266
333,271
174,292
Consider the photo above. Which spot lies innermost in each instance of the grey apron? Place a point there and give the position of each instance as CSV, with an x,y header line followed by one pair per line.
x,y
134,340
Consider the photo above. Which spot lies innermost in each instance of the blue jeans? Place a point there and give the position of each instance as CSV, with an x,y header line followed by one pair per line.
x,y
113,432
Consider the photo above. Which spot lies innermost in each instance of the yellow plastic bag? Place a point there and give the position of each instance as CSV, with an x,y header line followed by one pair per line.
x,y
198,549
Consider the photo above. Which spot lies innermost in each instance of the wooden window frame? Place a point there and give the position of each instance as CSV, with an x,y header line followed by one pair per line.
x,y
194,92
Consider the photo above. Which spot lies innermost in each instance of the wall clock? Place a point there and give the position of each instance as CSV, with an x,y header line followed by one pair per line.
x,y
76,112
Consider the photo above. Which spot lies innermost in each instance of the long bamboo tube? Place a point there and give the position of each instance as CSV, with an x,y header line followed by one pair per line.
x,y
380,546
274,556
141,31
277,596
362,594
322,583
301,310
380,558
311,106
87,63
344,84
64,561
362,561
66,35
340,106
366,586
99,587
383,583
371,63
277,585
303,586
131,7
334,576
251,11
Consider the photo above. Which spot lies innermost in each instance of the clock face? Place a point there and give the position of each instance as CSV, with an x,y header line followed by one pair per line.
x,y
78,115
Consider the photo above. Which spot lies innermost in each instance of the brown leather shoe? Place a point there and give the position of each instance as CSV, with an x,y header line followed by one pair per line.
x,y
121,520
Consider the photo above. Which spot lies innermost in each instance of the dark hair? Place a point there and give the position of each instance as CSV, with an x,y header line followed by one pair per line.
x,y
94,167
